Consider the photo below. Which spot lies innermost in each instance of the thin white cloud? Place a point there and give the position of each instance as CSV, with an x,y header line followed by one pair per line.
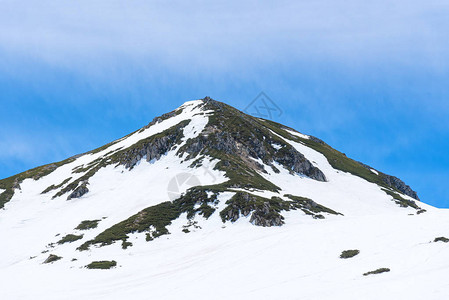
x,y
35,146
224,34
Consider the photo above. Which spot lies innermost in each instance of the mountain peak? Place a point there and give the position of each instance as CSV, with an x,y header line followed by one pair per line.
x,y
267,168
204,169
244,147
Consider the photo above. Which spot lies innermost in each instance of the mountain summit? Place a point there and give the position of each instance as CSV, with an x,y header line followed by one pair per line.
x,y
203,173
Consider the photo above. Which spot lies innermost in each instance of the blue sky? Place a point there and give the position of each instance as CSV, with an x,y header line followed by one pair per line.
x,y
370,78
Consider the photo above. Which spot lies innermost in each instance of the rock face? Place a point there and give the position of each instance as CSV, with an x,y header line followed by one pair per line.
x,y
395,183
16,185
264,212
79,191
266,217
400,186
230,132
152,148
267,212
297,163
162,118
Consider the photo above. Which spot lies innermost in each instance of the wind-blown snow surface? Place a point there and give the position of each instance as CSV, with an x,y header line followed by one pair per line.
x,y
299,260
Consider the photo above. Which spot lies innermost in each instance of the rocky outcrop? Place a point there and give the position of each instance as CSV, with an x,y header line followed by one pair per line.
x,y
152,148
264,212
162,118
316,140
266,217
230,132
395,183
297,163
400,186
239,204
16,184
79,191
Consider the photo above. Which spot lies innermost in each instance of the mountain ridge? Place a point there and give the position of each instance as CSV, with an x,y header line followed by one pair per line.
x,y
208,201
13,182
245,149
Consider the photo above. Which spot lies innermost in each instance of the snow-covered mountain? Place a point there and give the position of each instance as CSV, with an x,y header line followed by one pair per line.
x,y
206,202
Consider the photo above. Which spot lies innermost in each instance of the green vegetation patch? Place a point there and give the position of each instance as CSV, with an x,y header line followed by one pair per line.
x,y
126,244
239,142
12,183
52,258
378,271
349,253
310,207
155,219
87,224
102,265
70,238
129,156
335,158
267,212
54,187
240,175
264,212
401,201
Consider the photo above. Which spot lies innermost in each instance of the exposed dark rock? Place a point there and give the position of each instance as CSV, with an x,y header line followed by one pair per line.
x,y
400,186
231,132
441,239
395,183
240,203
266,217
163,117
79,191
316,140
152,148
341,162
265,212
16,184
290,157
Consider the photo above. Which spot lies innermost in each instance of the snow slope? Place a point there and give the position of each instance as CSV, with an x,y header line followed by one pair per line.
x,y
216,260
297,261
